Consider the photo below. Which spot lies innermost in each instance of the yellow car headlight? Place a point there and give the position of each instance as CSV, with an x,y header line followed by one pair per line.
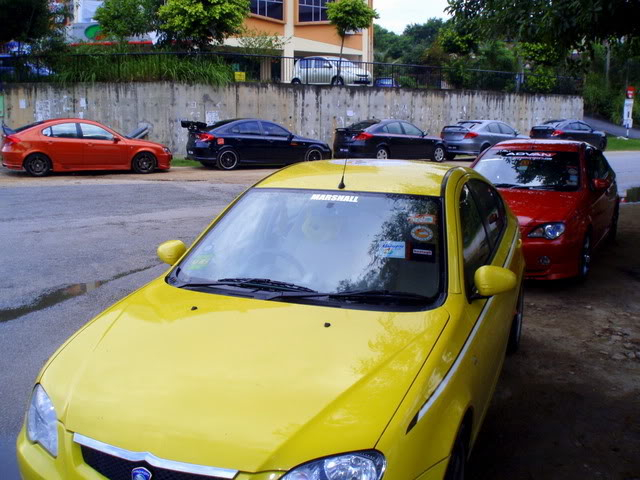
x,y
42,422
367,465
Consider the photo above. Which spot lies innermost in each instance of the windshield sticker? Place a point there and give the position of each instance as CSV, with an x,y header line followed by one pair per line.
x,y
423,253
390,249
422,219
529,154
200,262
422,233
335,198
573,180
572,171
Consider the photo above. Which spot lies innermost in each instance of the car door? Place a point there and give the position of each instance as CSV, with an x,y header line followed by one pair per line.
x,y
249,141
483,225
417,146
507,133
62,143
323,71
395,138
602,201
493,133
589,134
102,149
279,148
572,132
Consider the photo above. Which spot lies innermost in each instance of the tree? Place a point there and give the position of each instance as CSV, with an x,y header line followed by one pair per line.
x,y
203,21
561,24
24,20
349,15
128,18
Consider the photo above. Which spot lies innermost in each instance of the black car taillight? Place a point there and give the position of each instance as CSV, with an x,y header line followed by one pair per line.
x,y
557,132
205,137
363,136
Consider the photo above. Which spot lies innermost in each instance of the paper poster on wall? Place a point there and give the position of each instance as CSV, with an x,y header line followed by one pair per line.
x,y
83,102
212,117
350,113
23,103
80,114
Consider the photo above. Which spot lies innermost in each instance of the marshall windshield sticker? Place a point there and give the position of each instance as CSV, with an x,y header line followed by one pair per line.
x,y
334,198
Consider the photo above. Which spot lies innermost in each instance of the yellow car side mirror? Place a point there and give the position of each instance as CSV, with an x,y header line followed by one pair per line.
x,y
492,280
171,250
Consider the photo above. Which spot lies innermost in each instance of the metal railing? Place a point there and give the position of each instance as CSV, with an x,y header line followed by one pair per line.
x,y
225,67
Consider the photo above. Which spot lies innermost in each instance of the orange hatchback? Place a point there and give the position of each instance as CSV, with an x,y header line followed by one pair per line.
x,y
73,144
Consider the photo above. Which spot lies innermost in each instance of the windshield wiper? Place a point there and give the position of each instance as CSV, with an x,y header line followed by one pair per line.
x,y
505,185
370,295
250,283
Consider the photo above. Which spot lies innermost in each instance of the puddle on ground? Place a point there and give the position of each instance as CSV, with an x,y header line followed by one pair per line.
x,y
52,298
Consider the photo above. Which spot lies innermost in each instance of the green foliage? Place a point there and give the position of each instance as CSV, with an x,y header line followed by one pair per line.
x,y
348,15
128,18
457,41
261,43
562,25
411,47
203,21
541,79
96,64
24,20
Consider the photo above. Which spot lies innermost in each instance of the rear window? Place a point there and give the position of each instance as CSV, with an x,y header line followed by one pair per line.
x,y
553,123
363,125
468,125
531,170
34,124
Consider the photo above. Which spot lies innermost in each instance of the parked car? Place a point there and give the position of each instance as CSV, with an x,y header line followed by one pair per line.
x,y
470,137
15,66
311,332
570,130
386,82
74,144
249,141
386,139
324,71
566,199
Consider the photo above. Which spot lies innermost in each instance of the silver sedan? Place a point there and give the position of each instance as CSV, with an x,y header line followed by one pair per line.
x,y
470,137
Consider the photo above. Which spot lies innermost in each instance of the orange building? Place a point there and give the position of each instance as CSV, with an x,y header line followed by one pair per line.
x,y
305,25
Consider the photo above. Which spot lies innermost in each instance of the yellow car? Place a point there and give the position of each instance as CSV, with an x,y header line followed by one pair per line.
x,y
326,326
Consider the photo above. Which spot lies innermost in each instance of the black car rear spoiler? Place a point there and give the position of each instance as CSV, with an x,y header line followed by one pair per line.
x,y
140,132
6,131
193,126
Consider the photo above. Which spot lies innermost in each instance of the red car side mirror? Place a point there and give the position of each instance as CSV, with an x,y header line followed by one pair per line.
x,y
600,184
116,140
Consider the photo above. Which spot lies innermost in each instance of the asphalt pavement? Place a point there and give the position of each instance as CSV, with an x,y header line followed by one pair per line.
x,y
612,128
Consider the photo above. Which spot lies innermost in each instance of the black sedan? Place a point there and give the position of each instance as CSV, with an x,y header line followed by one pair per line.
x,y
249,141
570,130
386,139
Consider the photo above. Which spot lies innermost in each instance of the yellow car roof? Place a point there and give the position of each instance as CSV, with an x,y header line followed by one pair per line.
x,y
389,176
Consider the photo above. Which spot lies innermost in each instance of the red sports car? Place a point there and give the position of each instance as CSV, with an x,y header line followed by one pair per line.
x,y
566,199
71,144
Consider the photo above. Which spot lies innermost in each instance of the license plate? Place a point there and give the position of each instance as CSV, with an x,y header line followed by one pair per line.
x,y
344,149
453,148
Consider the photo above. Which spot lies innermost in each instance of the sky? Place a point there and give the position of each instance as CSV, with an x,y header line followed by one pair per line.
x,y
397,14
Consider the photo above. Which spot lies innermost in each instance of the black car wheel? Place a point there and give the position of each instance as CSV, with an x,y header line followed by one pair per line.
x,y
382,153
296,81
337,81
439,154
513,343
483,148
37,165
458,459
144,162
312,155
227,160
603,144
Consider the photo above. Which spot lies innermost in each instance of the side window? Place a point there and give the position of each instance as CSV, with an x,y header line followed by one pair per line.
x,y
506,129
47,132
491,209
574,126
274,130
305,63
493,128
475,245
394,127
322,63
247,128
584,126
93,132
64,130
411,130
597,165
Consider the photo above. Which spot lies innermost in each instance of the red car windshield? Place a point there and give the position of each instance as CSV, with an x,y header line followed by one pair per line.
x,y
531,170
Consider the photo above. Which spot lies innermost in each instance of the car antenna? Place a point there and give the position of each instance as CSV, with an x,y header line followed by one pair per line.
x,y
341,185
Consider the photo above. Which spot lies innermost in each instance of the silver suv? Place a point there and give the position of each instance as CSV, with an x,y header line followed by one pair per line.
x,y
324,71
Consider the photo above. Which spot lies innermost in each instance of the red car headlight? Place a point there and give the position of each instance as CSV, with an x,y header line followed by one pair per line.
x,y
550,231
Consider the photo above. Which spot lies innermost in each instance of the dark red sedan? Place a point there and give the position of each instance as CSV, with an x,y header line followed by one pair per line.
x,y
73,144
566,199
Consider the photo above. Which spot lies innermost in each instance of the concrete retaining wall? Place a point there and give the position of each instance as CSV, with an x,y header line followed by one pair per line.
x,y
312,111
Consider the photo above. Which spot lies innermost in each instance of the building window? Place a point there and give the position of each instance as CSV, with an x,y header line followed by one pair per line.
x,y
312,10
268,8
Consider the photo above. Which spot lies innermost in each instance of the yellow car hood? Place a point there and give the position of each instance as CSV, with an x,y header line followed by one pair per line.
x,y
237,383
